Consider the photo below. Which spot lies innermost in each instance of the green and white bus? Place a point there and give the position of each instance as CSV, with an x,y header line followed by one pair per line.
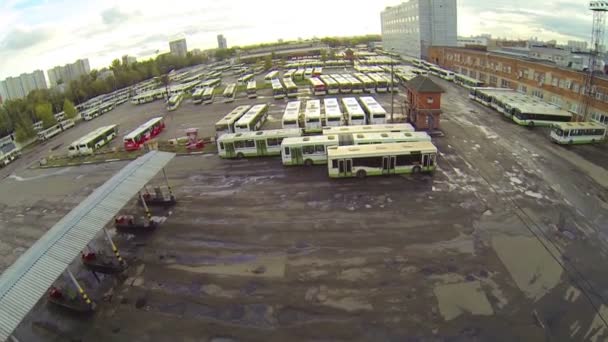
x,y
578,133
254,144
333,113
368,129
308,72
344,84
381,159
369,85
312,150
467,82
291,116
534,115
226,124
271,75
354,113
356,85
291,88
245,78
229,93
197,97
331,85
214,82
175,101
252,89
312,116
289,74
376,115
278,91
381,82
298,75
253,119
93,141
208,95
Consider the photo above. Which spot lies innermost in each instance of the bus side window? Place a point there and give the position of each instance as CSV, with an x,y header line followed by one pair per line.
x,y
286,151
334,164
221,146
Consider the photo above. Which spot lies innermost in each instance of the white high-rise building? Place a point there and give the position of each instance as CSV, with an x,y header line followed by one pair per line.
x,y
411,27
69,72
18,87
221,42
178,47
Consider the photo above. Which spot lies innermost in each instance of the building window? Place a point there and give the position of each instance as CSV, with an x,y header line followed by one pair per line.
x,y
524,73
556,100
482,77
430,100
493,80
505,84
522,89
538,93
473,74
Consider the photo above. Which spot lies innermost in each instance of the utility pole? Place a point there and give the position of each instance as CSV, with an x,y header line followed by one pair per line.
x,y
599,9
392,90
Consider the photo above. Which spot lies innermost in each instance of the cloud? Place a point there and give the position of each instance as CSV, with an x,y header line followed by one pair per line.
x,y
19,39
114,16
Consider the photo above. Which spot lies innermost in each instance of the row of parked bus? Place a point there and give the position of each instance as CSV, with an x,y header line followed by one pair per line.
x,y
348,151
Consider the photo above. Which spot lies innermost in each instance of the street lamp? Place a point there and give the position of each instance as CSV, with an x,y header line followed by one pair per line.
x,y
392,90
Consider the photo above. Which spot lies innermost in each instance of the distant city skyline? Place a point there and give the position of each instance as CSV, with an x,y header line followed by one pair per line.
x,y
39,34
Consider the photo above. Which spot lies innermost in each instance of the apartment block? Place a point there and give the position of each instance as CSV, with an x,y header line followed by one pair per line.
x,y
178,47
69,72
18,87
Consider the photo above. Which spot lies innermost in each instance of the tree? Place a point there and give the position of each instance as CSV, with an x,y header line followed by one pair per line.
x,y
349,54
69,109
165,80
44,113
323,55
267,62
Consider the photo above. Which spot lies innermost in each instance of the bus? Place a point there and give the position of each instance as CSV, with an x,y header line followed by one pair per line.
x,y
533,115
208,95
381,82
291,87
136,138
291,116
90,114
245,78
318,87
254,144
298,75
467,82
312,150
214,82
49,132
354,113
105,107
333,113
229,93
369,86
396,128
67,123
174,101
578,133
331,85
289,74
278,91
93,141
226,124
308,72
318,71
252,89
197,97
312,116
7,158
357,87
381,159
376,115
417,63
253,119
484,95
344,84
271,75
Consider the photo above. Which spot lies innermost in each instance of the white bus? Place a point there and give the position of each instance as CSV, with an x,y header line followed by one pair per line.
x,y
278,91
253,119
308,72
226,124
67,123
312,150
254,144
467,82
252,89
245,78
312,116
369,85
49,132
174,101
197,97
105,107
289,74
271,75
357,87
90,113
445,74
333,113
376,115
229,93
344,84
214,82
368,129
381,83
578,132
92,141
298,75
318,87
208,95
354,113
291,116
533,115
381,159
291,87
331,85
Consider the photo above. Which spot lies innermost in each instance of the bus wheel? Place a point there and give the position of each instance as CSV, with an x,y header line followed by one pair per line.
x,y
570,141
416,169
239,155
531,124
308,162
593,141
361,174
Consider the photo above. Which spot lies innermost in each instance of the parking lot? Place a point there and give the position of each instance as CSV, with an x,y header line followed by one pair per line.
x,y
505,242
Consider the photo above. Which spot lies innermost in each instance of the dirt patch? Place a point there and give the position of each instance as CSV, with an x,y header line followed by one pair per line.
x,y
273,266
457,299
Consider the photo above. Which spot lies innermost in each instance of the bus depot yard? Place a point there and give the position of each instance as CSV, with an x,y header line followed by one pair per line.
x,y
505,241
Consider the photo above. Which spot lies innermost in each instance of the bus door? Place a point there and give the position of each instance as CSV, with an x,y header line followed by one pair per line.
x,y
261,147
388,165
345,167
229,150
428,160
296,156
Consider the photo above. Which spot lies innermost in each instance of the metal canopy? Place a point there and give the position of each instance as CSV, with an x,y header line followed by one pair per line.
x,y
30,277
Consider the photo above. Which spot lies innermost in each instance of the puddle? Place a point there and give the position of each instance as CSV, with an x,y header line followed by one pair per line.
x,y
457,299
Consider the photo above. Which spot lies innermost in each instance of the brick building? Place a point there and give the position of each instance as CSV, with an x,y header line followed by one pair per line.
x,y
424,103
560,86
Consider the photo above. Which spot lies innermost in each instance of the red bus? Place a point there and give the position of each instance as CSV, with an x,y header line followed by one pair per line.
x,y
318,87
136,138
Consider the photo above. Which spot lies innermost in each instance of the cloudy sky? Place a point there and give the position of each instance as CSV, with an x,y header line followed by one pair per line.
x,y
39,34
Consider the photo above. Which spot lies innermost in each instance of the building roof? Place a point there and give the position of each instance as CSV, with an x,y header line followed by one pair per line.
x,y
423,84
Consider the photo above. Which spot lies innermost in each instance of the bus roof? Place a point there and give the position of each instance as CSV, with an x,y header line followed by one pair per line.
x,y
352,106
314,81
466,78
234,115
540,108
313,109
142,128
368,129
270,133
271,75
289,84
230,89
198,92
251,114
578,125
309,140
251,84
90,136
376,136
374,149
332,108
372,105
208,91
